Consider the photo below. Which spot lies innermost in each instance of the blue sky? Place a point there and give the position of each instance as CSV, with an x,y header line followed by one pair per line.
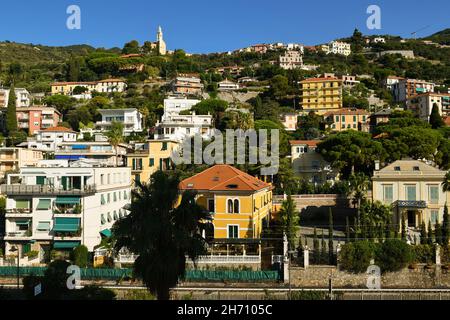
x,y
202,26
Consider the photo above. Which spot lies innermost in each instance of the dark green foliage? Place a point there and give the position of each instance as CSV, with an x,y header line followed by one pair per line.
x,y
330,238
11,118
423,233
438,233
445,227
430,233
316,248
356,256
436,120
423,253
80,256
393,255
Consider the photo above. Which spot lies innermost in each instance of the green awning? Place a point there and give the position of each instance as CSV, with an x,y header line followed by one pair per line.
x,y
68,200
23,222
420,89
22,204
107,233
44,204
65,244
43,226
66,224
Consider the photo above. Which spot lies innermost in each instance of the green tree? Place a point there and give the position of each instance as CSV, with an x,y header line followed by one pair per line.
x,y
430,233
359,184
446,183
403,227
80,256
393,255
445,227
161,233
423,233
356,256
289,220
436,120
323,250
60,102
115,137
357,41
131,47
330,237
438,233
279,86
11,117
316,247
347,229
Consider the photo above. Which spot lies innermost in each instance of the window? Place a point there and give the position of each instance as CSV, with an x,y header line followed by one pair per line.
x,y
434,217
236,206
108,198
164,146
211,205
388,193
233,231
152,162
102,219
433,194
411,193
230,206
115,197
102,179
102,201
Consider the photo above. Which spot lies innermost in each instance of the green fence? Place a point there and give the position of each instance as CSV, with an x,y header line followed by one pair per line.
x,y
191,275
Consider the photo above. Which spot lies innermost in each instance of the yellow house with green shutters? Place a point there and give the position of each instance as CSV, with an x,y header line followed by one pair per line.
x,y
239,203
148,157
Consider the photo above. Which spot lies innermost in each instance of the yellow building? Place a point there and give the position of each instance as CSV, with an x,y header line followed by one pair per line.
x,y
105,86
321,94
148,157
346,119
239,203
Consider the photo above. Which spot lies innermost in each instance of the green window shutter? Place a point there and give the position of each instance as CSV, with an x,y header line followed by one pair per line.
x,y
164,146
434,194
26,248
411,193
152,162
64,183
115,196
66,224
134,164
125,195
102,219
40,180
103,199
43,226
22,204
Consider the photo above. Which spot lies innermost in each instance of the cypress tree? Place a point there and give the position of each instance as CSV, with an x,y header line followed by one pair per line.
x,y
435,118
403,227
330,237
438,233
11,117
423,233
316,247
430,233
323,251
347,229
445,227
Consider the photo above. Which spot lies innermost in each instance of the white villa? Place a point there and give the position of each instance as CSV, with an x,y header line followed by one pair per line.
x,y
179,127
131,119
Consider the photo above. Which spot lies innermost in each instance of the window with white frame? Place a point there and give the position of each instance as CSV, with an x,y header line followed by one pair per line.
x,y
233,231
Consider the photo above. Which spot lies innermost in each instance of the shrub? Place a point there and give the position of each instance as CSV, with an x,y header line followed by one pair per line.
x,y
393,255
356,256
80,256
423,253
93,292
32,254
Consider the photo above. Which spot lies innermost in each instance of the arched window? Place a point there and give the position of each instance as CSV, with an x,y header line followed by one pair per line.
x,y
236,206
230,206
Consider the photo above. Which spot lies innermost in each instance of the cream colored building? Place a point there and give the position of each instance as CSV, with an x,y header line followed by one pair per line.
x,y
308,164
414,191
12,159
291,59
422,104
337,47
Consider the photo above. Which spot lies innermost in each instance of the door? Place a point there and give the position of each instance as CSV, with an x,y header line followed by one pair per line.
x,y
411,218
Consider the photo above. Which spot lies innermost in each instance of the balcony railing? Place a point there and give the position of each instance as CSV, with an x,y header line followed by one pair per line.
x,y
45,190
19,234
228,259
15,210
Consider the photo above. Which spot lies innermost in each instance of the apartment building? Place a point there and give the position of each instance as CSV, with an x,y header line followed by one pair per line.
x,y
289,121
349,81
104,86
308,164
187,84
179,127
35,118
337,47
413,189
11,159
291,59
57,206
321,94
174,105
23,97
48,139
101,151
348,119
131,119
227,85
391,81
407,88
146,158
422,104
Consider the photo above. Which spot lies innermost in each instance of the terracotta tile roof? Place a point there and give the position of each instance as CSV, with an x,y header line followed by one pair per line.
x,y
73,83
111,80
58,129
321,79
223,177
310,143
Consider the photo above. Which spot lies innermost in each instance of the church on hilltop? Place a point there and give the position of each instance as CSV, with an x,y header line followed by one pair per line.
x,y
160,44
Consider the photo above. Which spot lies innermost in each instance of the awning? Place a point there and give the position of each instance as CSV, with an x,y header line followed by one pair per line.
x,y
68,200
107,233
66,224
22,204
23,222
43,226
79,147
44,204
65,244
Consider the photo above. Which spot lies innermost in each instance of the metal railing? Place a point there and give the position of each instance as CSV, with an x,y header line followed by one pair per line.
x,y
45,190
228,259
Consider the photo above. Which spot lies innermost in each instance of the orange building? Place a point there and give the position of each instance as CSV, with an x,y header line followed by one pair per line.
x,y
346,119
35,118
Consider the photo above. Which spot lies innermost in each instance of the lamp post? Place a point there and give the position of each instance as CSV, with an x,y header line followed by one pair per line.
x,y
16,249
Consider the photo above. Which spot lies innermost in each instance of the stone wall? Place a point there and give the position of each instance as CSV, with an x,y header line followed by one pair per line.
x,y
420,277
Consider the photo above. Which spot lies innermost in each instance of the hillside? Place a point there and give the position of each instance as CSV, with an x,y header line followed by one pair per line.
x,y
442,37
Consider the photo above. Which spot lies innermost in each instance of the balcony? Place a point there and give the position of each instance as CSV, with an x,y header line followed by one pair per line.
x,y
16,211
18,235
412,204
216,259
42,190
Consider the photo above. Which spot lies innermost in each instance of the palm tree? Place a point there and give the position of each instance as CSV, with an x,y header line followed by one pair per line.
x,y
446,182
359,184
161,233
115,137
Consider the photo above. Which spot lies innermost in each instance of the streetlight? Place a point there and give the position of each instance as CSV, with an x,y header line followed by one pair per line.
x,y
16,249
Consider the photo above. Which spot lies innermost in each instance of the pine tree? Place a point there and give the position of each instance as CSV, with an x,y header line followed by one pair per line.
x,y
445,227
323,251
11,117
330,237
435,118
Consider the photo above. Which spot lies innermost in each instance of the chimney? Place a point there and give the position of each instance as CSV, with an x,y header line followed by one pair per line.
x,y
377,165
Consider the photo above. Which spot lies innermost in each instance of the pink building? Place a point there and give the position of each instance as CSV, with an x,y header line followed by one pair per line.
x,y
35,118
